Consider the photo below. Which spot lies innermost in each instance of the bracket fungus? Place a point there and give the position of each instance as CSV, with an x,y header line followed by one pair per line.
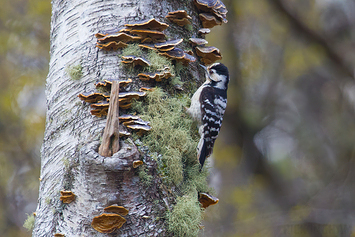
x,y
146,89
127,117
137,163
208,54
198,41
107,223
208,20
59,235
128,96
67,196
101,104
204,31
215,7
135,61
99,112
207,200
141,129
111,45
136,121
179,17
116,209
124,134
151,24
167,45
176,53
120,37
92,97
157,76
149,36
106,84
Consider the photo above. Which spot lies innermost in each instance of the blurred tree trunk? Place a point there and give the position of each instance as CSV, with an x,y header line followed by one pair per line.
x,y
69,152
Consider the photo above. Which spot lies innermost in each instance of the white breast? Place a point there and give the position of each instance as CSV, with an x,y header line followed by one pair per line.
x,y
195,108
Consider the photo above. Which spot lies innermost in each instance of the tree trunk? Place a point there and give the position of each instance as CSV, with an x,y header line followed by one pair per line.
x,y
70,160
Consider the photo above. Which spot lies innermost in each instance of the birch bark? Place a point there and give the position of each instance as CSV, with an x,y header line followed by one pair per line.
x,y
69,153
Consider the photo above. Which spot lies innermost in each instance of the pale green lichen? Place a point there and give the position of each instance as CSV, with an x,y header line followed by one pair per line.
x,y
75,72
132,49
144,176
172,135
185,218
29,222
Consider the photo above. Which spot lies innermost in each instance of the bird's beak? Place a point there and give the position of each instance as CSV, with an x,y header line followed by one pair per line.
x,y
206,70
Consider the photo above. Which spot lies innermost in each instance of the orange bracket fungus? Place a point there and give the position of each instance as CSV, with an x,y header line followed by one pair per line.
x,y
151,24
208,20
215,8
198,41
146,89
135,61
149,36
107,223
117,209
106,84
135,123
124,134
141,129
92,97
99,112
208,54
176,53
204,31
167,45
120,37
67,196
179,17
111,45
137,163
207,200
157,76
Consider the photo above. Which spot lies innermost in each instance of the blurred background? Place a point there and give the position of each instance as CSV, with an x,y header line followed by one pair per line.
x,y
283,162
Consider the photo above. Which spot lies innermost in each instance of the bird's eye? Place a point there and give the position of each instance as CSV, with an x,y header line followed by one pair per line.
x,y
210,71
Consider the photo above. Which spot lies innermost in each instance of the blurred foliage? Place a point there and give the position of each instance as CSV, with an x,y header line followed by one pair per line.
x,y
285,154
24,47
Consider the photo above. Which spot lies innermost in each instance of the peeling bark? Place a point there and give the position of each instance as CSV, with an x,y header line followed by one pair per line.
x,y
111,137
70,160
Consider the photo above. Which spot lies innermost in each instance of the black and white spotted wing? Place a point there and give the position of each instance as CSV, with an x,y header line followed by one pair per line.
x,y
213,104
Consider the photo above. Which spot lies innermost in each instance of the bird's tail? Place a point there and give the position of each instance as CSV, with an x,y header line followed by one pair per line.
x,y
202,154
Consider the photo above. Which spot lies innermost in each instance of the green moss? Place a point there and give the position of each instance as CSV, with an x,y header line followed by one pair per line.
x,y
171,136
185,218
132,49
188,27
158,62
144,176
75,72
29,222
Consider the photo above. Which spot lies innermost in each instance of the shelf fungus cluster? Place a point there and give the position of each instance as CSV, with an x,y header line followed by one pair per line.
x,y
109,222
135,123
67,196
179,17
168,48
212,12
100,100
143,32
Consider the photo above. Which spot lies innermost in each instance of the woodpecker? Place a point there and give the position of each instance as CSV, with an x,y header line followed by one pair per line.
x,y
207,107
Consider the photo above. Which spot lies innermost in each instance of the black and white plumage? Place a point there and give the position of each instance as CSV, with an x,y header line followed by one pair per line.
x,y
207,107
